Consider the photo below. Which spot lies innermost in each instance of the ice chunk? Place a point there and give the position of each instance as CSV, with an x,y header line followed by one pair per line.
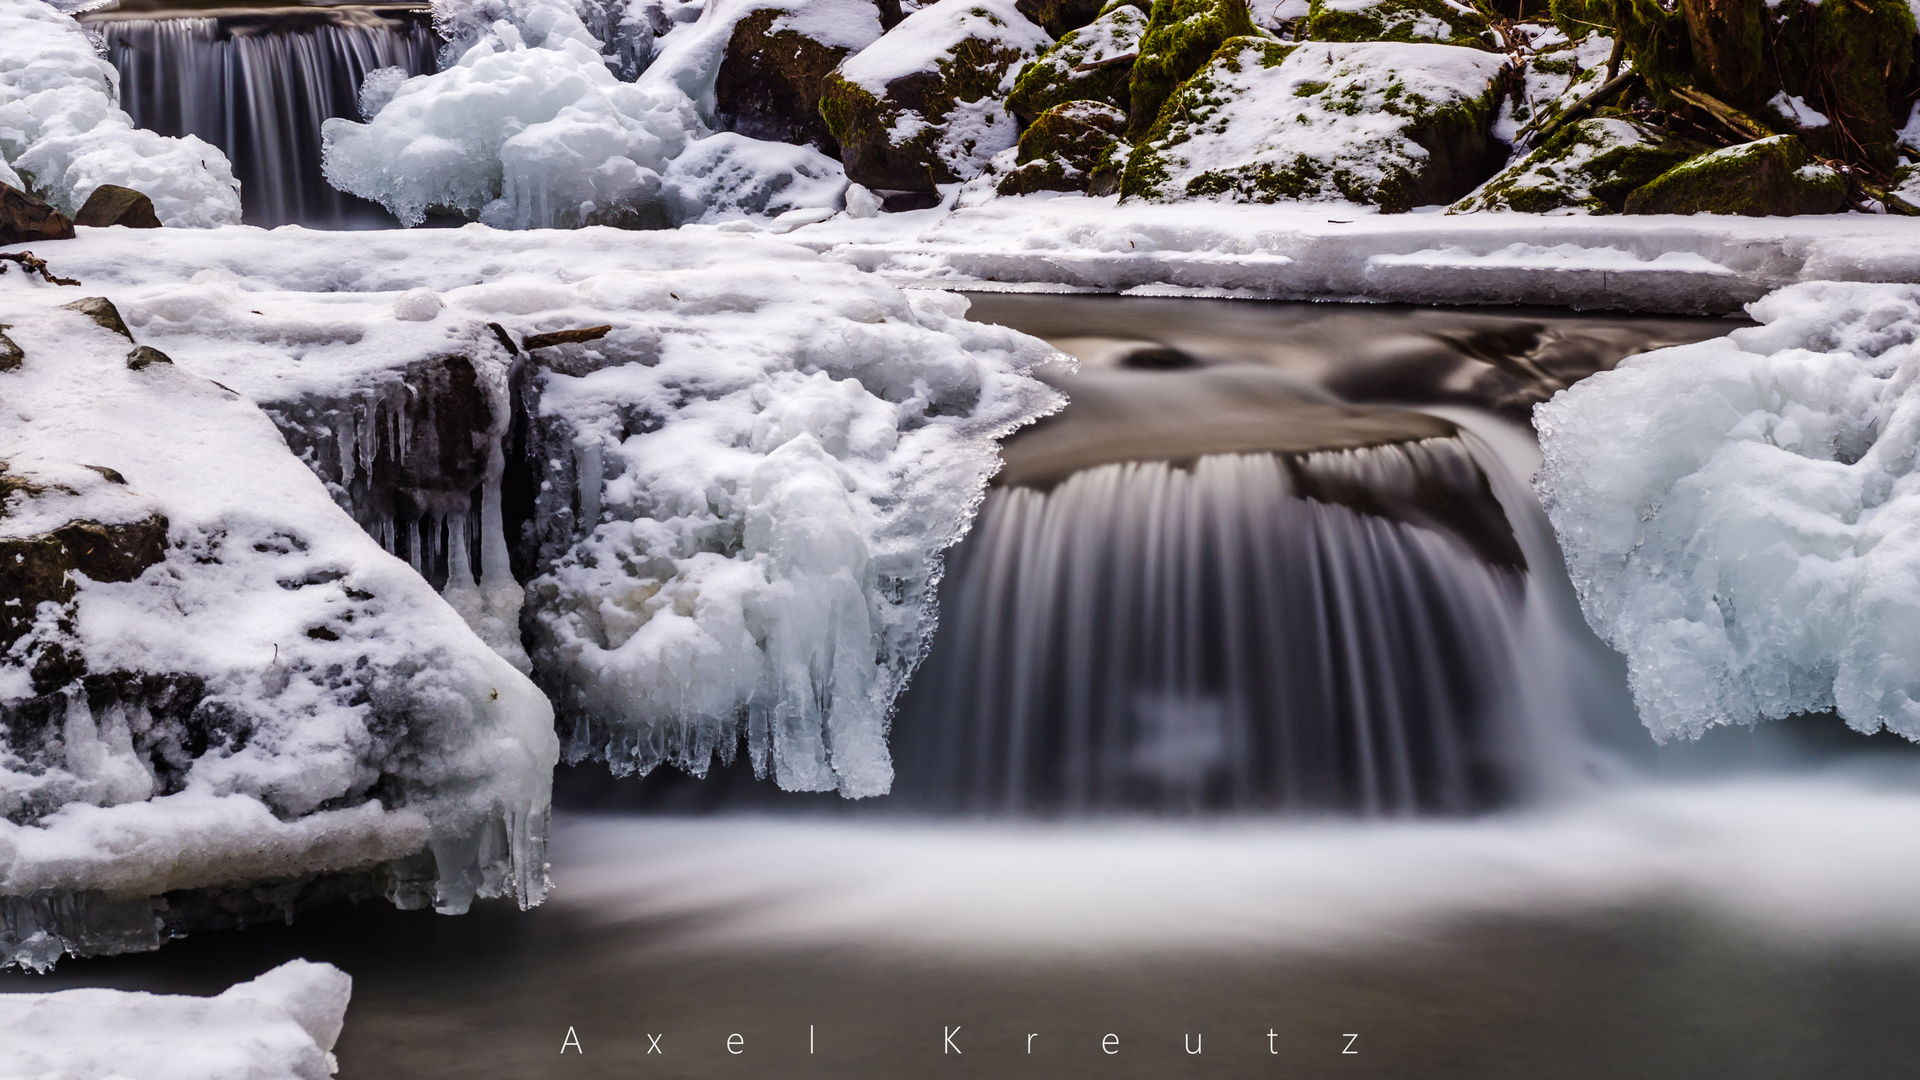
x,y
62,131
1741,516
281,1025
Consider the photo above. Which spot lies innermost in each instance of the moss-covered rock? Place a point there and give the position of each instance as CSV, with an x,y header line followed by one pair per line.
x,y
776,65
1903,191
1587,167
1396,125
925,104
1181,37
1057,17
1059,151
1445,21
1773,176
1579,18
1856,60
1093,63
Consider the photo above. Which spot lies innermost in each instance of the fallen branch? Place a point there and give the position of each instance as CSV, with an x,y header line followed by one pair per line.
x,y
35,265
1735,120
1579,109
505,338
1111,61
563,337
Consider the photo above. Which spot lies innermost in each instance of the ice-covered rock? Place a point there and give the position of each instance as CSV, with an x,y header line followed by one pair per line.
x,y
1587,167
1741,517
926,104
727,508
63,134
281,1025
214,686
1093,63
1756,179
1391,124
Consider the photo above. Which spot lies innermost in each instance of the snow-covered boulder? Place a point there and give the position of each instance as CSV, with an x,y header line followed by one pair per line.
x,y
1587,167
1756,179
1447,22
726,495
281,1026
1181,36
1392,124
776,64
926,104
63,134
213,685
1741,517
1093,63
1060,150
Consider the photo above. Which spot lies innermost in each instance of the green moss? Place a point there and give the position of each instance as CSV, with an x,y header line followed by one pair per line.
x,y
1399,20
1756,179
1181,36
1578,18
1855,62
1589,166
1057,76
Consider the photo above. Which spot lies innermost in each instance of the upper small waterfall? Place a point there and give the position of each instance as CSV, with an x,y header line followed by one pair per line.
x,y
258,83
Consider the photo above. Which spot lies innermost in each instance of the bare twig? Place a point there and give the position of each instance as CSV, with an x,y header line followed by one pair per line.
x,y
563,337
1585,105
34,265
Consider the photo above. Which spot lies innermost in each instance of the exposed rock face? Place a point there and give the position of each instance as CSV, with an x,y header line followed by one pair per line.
x,y
1395,125
1093,63
1060,150
776,65
27,220
925,105
111,204
1756,179
1590,167
1180,37
1398,20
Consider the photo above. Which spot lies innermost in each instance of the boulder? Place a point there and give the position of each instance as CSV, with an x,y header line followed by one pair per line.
x,y
28,220
777,62
1443,21
925,105
1764,178
1587,167
1093,63
1391,124
1181,36
111,204
1057,17
1061,149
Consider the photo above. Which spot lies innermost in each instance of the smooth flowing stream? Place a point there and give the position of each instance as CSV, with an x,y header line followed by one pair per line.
x,y
1261,715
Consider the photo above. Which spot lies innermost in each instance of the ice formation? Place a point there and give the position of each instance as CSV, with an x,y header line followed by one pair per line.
x,y
728,510
1741,517
528,126
210,678
61,129
281,1025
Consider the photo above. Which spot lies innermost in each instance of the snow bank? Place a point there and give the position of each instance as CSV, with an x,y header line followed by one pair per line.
x,y
738,495
281,1025
61,129
528,127
218,679
1741,517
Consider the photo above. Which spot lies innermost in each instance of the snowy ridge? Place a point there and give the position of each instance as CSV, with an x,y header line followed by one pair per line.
x,y
1333,252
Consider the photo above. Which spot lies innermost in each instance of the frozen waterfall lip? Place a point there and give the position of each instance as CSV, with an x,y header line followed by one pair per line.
x,y
1333,251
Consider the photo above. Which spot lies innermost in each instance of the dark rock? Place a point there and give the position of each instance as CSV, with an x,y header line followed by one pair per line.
x,y
145,356
1057,17
101,310
899,202
1060,149
35,570
27,220
770,81
1768,177
11,356
111,204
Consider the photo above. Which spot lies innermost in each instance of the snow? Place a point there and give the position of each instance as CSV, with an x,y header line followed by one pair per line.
x,y
1342,251
745,485
1741,517
1796,109
61,128
281,1025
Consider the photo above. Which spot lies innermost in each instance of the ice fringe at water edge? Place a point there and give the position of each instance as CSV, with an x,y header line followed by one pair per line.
x,y
281,1025
62,130
1741,517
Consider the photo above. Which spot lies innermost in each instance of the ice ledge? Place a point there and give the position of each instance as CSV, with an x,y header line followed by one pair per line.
x,y
1332,252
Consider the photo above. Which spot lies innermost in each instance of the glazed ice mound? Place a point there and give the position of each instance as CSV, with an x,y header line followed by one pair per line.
x,y
281,1025
63,133
218,695
1742,516
725,485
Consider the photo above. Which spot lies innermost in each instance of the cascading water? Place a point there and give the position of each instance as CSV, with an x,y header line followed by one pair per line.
x,y
258,84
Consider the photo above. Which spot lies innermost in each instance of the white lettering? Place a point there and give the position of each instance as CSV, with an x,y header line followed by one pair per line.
x,y
653,1045
1196,1040
1351,1039
573,1041
1111,1044
1030,1039
1271,1035
734,1043
947,1036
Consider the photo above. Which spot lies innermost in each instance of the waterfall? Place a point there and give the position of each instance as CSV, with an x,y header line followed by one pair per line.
x,y
1225,635
258,84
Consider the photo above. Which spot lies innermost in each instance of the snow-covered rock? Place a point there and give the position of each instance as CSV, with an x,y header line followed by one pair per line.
x,y
728,510
1060,150
1391,124
1587,167
63,133
1093,63
212,680
1447,22
1758,179
926,104
281,1026
777,60
1180,37
1741,517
